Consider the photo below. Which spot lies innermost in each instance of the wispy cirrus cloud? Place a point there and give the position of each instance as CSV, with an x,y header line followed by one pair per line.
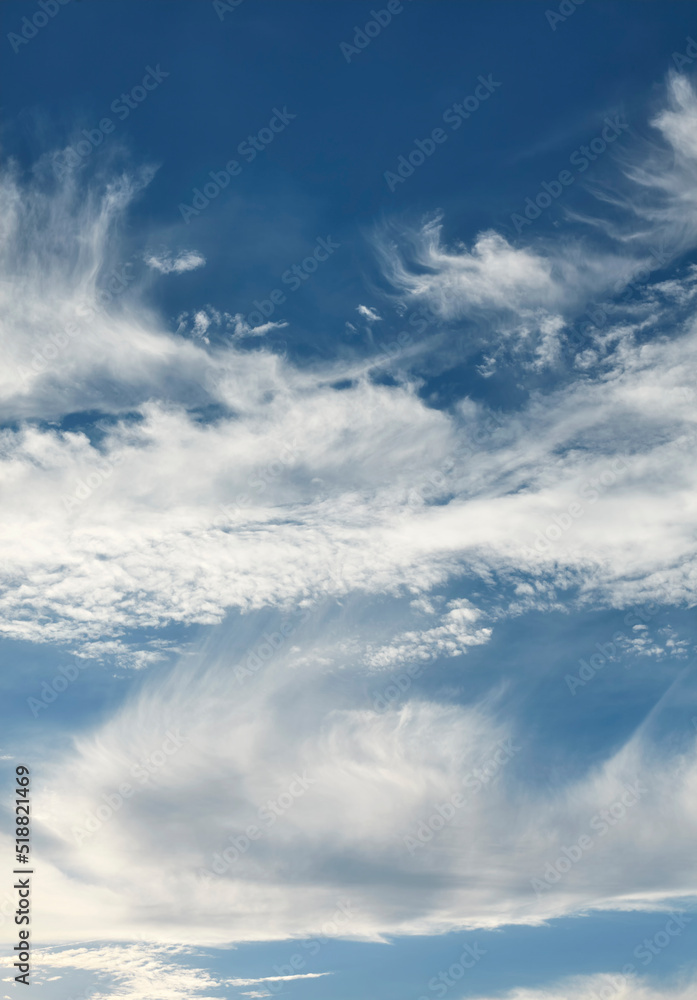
x,y
523,295
520,852
241,327
134,971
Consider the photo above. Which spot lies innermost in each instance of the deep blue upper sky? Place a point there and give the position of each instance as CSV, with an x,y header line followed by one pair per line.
x,y
323,175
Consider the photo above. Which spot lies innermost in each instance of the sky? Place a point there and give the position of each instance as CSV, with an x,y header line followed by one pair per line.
x,y
348,486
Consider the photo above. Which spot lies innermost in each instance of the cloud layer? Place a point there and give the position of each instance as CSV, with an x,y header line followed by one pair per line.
x,y
312,491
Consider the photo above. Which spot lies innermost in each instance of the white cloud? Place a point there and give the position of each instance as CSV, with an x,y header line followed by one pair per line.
x,y
201,322
203,319
134,971
665,173
452,637
492,275
298,492
274,979
241,327
165,263
335,491
193,523
610,985
513,297
369,780
521,296
74,334
372,315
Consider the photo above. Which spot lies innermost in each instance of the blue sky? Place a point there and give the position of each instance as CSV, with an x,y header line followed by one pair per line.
x,y
348,434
